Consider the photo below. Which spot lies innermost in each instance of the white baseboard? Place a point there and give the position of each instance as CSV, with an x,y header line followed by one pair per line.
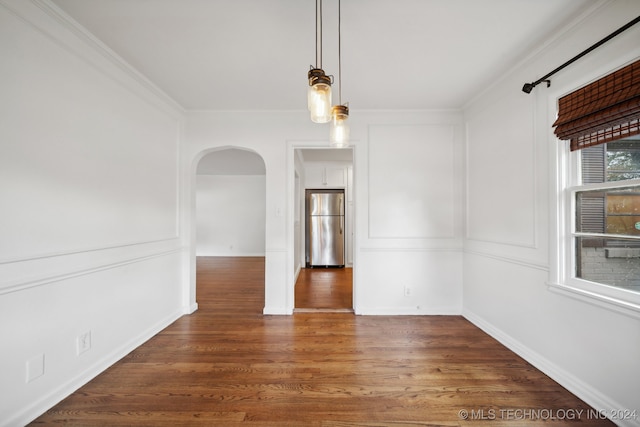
x,y
588,394
296,274
268,311
190,309
408,311
40,406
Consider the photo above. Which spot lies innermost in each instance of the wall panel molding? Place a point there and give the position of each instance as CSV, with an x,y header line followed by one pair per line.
x,y
510,260
502,165
93,267
40,256
411,196
74,182
409,249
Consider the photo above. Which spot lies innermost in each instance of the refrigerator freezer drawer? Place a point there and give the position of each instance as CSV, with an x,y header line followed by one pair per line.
x,y
327,240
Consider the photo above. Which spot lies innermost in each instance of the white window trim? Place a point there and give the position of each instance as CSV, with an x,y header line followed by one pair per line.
x,y
562,278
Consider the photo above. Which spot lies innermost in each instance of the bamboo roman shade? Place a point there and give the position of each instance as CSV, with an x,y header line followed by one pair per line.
x,y
603,111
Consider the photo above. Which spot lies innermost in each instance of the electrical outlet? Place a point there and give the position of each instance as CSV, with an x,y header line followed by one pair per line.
x,y
83,342
407,291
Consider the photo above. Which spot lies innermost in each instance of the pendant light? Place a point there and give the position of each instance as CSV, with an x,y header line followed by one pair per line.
x,y
339,132
319,92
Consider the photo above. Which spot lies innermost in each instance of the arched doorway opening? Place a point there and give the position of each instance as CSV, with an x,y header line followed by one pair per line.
x,y
229,221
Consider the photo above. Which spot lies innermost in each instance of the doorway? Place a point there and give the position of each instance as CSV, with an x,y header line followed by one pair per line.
x,y
230,209
323,288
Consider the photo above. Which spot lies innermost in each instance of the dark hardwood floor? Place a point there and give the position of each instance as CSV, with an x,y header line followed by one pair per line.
x,y
324,289
228,365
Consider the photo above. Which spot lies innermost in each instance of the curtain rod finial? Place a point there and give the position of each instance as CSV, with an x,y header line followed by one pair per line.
x,y
528,87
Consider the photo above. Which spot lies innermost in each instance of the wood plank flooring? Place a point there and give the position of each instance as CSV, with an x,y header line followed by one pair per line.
x,y
324,289
228,365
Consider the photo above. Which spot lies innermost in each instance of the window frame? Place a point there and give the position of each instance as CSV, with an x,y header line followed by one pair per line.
x,y
563,272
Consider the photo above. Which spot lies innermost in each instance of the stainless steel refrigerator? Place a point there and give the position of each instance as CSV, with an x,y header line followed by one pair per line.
x,y
325,228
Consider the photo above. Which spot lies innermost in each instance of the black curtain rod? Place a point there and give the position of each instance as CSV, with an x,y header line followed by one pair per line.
x,y
528,87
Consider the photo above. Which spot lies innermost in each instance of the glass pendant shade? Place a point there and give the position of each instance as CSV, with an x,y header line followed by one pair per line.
x,y
339,132
319,96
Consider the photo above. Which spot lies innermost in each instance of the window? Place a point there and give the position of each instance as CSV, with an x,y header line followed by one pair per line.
x,y
606,229
599,208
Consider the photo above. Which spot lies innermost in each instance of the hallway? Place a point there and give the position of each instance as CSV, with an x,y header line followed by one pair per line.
x,y
324,289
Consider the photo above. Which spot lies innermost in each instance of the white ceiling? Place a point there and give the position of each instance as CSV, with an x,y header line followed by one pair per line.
x,y
255,54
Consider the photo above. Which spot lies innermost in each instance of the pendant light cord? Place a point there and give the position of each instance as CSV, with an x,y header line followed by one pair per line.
x,y
319,34
339,54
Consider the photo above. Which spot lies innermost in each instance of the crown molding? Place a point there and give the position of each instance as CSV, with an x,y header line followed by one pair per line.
x,y
76,39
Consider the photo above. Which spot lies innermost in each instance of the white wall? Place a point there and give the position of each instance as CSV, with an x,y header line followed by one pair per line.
x,y
89,215
422,250
264,133
408,180
592,350
98,201
230,215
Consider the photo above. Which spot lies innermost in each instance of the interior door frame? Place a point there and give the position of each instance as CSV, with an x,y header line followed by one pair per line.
x,y
292,269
